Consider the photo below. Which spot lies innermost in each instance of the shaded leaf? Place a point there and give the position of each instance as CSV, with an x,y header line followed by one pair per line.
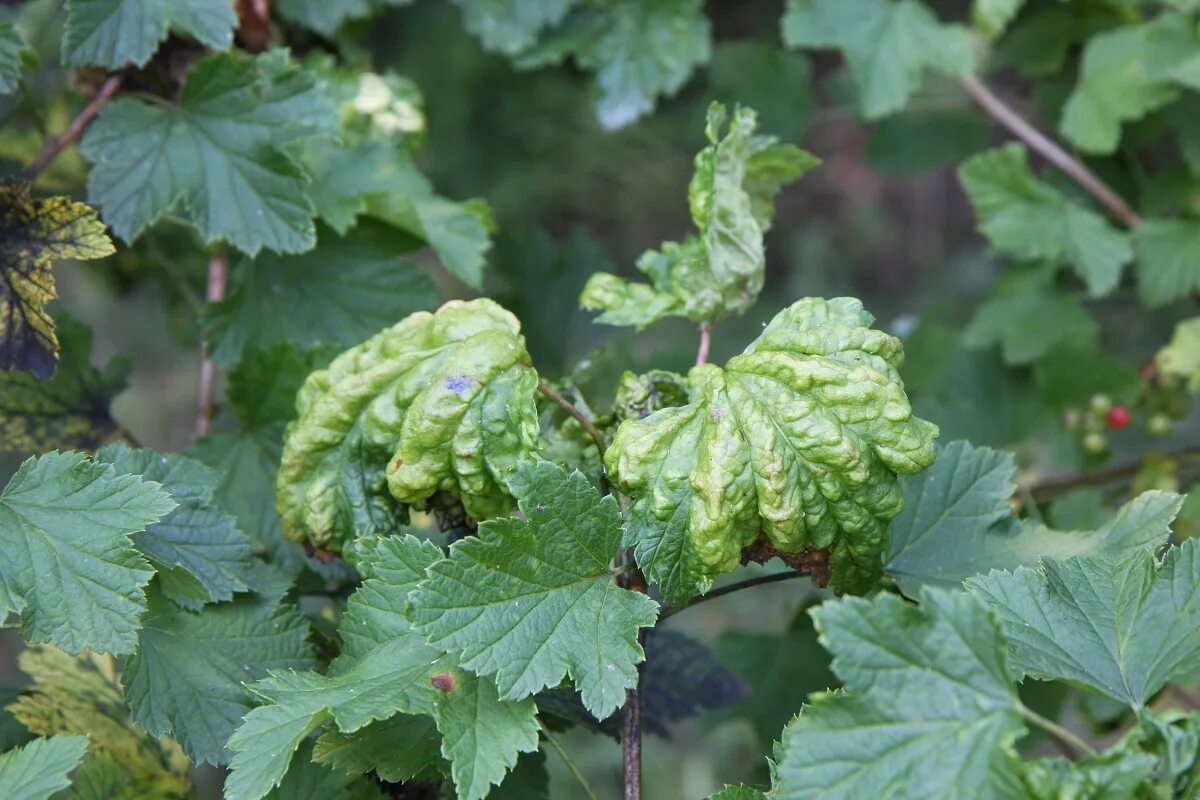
x,y
115,33
1168,265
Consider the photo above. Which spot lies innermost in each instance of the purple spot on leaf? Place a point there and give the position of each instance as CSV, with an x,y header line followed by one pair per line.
x,y
459,384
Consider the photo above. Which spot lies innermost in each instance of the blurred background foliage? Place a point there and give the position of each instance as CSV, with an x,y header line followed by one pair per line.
x,y
883,219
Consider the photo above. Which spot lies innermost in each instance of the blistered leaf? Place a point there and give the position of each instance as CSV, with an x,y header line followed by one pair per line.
x,y
218,157
510,26
929,710
1168,265
888,45
13,52
40,768
70,567
1122,625
69,410
1027,316
189,674
530,602
719,272
1113,89
341,293
1181,356
33,234
115,33
957,522
797,440
438,402
82,695
1027,218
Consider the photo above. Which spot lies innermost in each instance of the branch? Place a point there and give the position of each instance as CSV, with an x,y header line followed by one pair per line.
x,y
774,577
218,269
1054,487
705,341
1051,151
567,406
55,146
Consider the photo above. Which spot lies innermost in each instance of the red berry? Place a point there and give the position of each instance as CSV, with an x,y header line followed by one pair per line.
x,y
1117,417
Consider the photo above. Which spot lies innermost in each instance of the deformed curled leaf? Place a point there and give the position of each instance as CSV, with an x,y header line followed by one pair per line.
x,y
797,440
438,402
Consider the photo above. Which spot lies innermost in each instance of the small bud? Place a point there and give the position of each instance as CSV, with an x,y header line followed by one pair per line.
x,y
1071,419
1117,417
1101,403
1095,444
1159,424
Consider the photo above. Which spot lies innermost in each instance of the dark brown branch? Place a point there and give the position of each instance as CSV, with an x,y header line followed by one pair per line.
x,y
55,146
631,713
761,580
1049,489
1050,150
570,408
218,269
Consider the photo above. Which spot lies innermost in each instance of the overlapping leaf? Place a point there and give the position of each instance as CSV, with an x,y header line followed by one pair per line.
x,y
115,33
530,602
1181,356
40,768
70,567
1168,265
13,52
33,234
719,272
797,440
325,17
1028,316
218,157
440,401
888,45
510,26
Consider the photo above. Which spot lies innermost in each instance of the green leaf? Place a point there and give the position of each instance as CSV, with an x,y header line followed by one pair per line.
x,y
341,293
1181,356
197,536
532,601
70,410
888,45
1120,775
218,157
916,141
115,33
40,768
1028,316
796,440
188,676
438,402
992,16
1029,219
1123,625
307,780
1071,372
957,522
399,748
1172,50
1113,89
930,708
718,273
510,26
13,52
326,17
33,234
71,568
782,670
739,792
1168,266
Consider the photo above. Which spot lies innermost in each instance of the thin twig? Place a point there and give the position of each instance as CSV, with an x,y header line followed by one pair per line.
x,y
631,735
1049,489
55,146
1057,731
218,269
570,408
566,759
705,341
774,577
1051,151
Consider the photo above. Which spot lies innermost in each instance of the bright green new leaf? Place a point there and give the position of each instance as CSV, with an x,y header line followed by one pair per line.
x,y
797,440
1168,265
218,157
739,792
1115,775
532,601
188,676
116,33
888,45
70,567
13,51
1122,625
1027,218
33,234
1028,316
69,410
438,402
326,17
929,710
510,26
1113,89
341,293
957,522
197,536
992,16
40,768
718,273
1181,356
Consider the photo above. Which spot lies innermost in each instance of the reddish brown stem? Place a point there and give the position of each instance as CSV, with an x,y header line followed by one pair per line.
x,y
218,269
56,145
705,341
631,713
1050,150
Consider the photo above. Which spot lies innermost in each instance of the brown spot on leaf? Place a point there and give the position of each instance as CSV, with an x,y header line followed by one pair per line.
x,y
444,682
814,562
